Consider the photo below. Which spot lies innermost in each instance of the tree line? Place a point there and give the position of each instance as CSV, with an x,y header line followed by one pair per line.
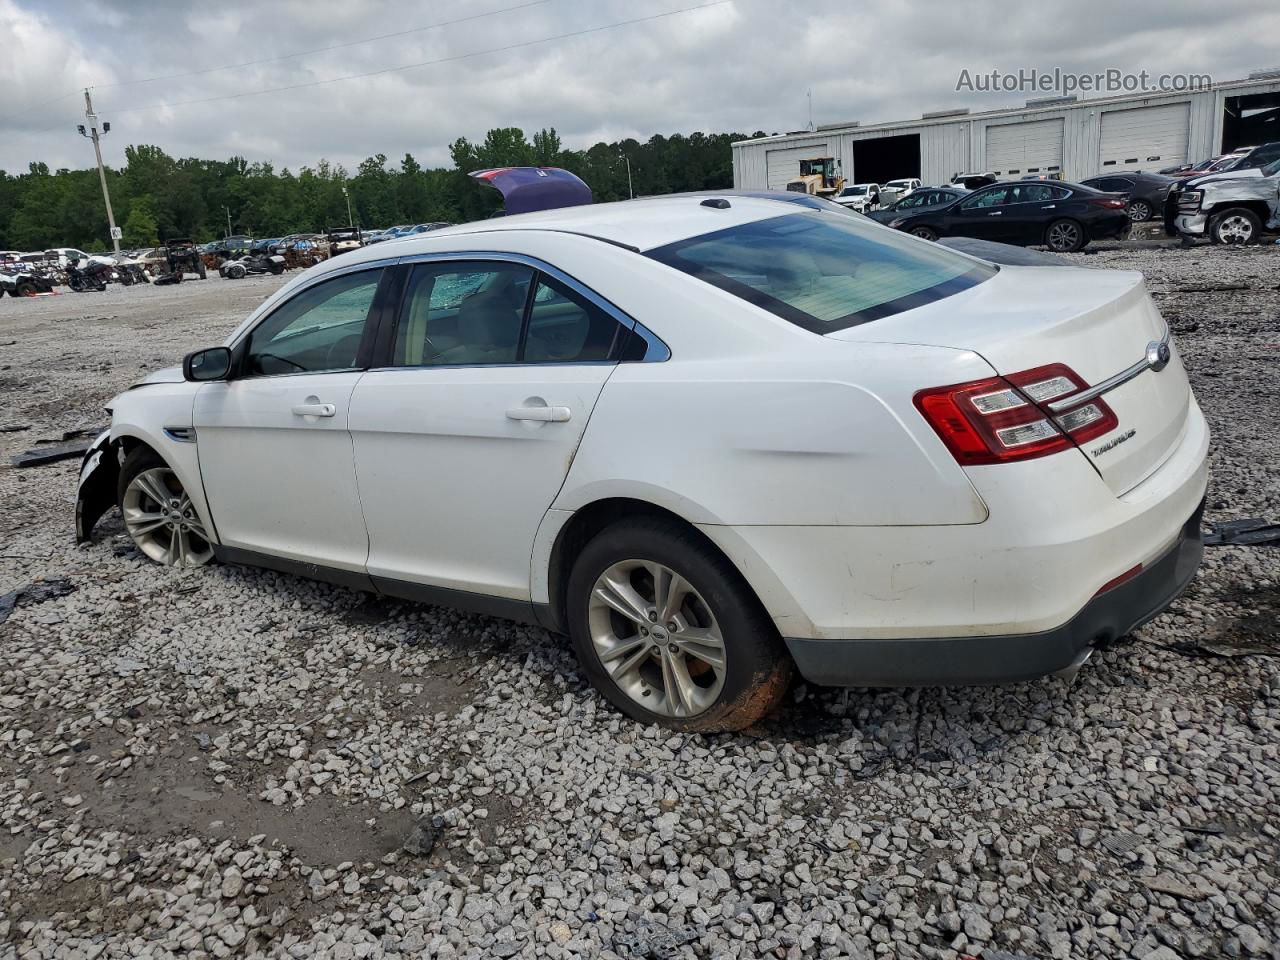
x,y
157,197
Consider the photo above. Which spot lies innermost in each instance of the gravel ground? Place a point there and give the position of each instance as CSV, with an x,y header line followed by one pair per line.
x,y
232,762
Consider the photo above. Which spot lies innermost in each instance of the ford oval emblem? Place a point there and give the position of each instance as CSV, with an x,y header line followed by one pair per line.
x,y
1158,355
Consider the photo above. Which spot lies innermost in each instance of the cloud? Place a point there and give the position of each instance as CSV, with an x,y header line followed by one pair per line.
x,y
744,66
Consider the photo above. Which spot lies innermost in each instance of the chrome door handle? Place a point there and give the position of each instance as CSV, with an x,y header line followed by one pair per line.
x,y
542,414
314,410
996,213
1052,206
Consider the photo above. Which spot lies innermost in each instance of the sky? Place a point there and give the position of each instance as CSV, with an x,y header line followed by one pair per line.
x,y
736,65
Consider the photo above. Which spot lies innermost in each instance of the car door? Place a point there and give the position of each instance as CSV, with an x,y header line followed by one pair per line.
x,y
1028,209
980,215
464,435
275,454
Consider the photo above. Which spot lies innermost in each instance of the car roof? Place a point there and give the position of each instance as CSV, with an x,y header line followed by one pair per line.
x,y
639,224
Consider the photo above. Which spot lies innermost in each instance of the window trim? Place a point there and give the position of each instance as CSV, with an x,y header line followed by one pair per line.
x,y
373,323
656,351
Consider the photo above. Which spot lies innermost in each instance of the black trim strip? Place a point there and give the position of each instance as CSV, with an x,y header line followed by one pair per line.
x,y
355,579
520,611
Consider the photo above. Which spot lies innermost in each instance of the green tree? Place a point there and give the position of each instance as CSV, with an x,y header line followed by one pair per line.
x,y
140,227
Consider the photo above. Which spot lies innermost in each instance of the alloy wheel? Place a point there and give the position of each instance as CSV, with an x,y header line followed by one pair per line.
x,y
1139,211
1064,236
1235,229
657,638
162,520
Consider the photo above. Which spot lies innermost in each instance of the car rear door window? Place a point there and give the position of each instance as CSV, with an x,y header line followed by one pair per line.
x,y
462,313
1031,193
824,273
567,328
317,330
467,313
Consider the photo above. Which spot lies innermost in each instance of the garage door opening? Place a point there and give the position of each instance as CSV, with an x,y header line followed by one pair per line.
x,y
883,159
1250,120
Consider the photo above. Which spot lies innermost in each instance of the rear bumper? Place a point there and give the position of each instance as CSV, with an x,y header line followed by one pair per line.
x,y
956,661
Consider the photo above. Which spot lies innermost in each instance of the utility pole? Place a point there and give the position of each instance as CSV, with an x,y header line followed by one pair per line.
x,y
627,161
92,122
228,209
350,222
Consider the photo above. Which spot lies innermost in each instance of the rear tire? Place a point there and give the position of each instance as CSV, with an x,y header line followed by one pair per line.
x,y
202,270
662,655
1237,225
25,288
1139,211
1065,236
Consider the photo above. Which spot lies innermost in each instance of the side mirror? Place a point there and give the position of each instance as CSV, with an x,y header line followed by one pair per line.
x,y
213,363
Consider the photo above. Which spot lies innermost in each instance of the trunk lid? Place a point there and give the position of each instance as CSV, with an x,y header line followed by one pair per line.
x,y
1100,323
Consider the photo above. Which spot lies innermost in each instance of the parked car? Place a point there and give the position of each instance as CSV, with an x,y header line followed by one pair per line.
x,y
972,181
343,240
911,467
921,200
1244,167
64,257
895,190
1254,158
418,228
1145,193
1230,210
1062,216
19,280
861,197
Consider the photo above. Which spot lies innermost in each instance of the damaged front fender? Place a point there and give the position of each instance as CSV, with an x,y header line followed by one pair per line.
x,y
99,473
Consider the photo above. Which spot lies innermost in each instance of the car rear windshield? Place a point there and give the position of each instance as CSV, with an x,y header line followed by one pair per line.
x,y
824,273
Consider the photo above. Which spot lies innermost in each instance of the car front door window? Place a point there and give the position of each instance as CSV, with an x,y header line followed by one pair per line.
x,y
985,200
316,331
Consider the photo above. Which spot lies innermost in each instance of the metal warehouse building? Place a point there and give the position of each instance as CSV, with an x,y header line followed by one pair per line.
x,y
1073,138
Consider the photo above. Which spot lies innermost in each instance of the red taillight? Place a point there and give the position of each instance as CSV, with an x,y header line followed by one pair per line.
x,y
1111,203
1003,419
1116,581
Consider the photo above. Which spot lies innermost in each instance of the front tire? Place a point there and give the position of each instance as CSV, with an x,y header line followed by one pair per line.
x,y
1065,236
924,233
202,270
669,632
158,513
1237,225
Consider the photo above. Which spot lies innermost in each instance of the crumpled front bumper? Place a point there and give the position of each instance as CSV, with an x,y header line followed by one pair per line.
x,y
99,474
1192,224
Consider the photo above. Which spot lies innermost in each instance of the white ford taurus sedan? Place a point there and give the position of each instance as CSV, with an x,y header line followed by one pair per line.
x,y
713,440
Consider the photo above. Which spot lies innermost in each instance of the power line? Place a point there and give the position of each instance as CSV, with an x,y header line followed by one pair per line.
x,y
287,56
336,46
427,63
